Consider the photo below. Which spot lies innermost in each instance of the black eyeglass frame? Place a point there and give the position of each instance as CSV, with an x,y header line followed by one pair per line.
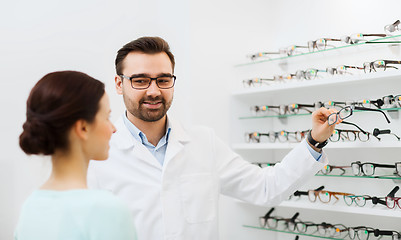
x,y
150,82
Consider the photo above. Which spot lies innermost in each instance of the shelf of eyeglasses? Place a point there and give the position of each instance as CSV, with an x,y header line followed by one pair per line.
x,y
391,177
303,114
335,80
332,145
295,233
377,210
394,37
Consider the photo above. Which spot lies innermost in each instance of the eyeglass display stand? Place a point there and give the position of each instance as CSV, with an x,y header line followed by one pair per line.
x,y
348,87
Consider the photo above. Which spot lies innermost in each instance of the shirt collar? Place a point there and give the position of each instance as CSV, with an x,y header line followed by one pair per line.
x,y
139,135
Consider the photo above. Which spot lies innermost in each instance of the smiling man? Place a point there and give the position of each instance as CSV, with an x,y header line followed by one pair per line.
x,y
170,176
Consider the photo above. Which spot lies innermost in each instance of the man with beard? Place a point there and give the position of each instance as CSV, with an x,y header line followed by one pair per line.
x,y
171,176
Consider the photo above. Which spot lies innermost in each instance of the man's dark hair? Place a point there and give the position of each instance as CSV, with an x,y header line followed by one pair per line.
x,y
148,45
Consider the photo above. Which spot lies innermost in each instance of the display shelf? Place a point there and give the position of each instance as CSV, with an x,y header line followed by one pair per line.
x,y
295,233
391,177
337,81
318,52
366,210
305,114
377,210
331,145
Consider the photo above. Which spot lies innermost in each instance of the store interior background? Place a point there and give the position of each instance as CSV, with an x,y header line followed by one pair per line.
x,y
207,37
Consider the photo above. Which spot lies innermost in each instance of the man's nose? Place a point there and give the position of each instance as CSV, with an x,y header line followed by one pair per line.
x,y
153,89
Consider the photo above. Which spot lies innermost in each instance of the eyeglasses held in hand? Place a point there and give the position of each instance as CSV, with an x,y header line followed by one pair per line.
x,y
347,112
379,65
143,82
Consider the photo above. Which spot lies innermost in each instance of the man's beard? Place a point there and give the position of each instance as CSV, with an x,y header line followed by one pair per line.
x,y
146,114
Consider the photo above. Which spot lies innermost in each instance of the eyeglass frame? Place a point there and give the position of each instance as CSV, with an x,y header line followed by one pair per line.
x,y
351,110
150,82
372,67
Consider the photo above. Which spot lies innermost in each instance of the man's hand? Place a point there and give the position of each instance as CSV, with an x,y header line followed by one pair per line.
x,y
321,130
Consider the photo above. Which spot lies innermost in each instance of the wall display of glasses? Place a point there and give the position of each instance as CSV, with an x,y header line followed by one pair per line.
x,y
271,115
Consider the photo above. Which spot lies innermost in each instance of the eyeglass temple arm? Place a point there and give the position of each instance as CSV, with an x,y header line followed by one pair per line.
x,y
393,192
376,200
374,35
294,217
379,232
353,124
384,165
373,110
299,193
267,215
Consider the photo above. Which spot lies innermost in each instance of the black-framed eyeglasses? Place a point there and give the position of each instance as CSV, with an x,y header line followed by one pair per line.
x,y
369,168
141,82
360,233
350,135
379,65
347,111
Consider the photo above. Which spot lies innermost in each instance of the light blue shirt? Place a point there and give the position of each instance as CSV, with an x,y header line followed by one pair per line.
x,y
80,214
158,151
315,154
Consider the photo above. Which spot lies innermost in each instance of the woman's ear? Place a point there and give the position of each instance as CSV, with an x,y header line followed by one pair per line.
x,y
81,129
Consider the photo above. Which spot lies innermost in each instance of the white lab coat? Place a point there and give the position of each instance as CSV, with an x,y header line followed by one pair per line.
x,y
179,200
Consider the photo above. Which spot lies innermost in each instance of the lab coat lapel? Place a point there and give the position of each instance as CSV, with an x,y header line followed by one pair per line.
x,y
178,138
125,140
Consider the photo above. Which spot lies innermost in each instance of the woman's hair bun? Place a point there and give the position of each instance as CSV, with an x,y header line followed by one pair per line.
x,y
37,137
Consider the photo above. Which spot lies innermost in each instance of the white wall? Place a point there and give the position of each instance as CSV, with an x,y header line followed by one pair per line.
x,y
207,37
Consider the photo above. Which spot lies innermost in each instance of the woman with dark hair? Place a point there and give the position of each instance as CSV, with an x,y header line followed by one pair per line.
x,y
68,118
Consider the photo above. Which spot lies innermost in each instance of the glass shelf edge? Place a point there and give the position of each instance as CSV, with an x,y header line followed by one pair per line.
x,y
301,234
309,53
305,114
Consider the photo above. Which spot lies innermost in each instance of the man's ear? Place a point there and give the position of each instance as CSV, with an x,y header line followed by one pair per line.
x,y
81,128
119,84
